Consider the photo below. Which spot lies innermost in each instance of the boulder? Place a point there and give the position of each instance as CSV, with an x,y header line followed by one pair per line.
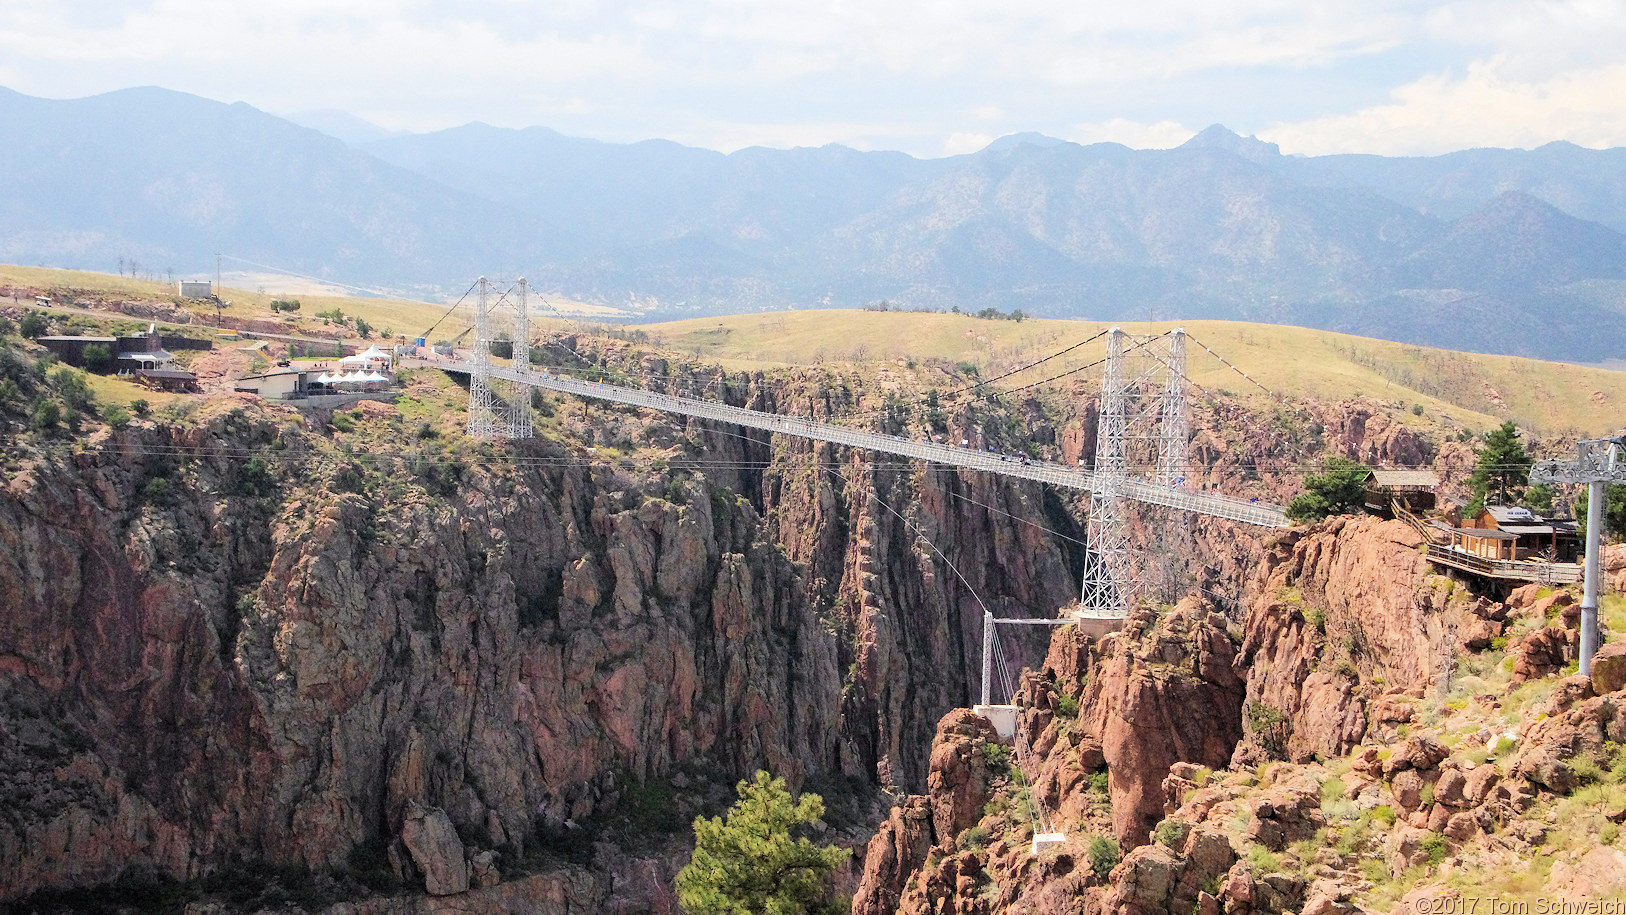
x,y
432,841
1609,668
1478,784
1451,788
1422,752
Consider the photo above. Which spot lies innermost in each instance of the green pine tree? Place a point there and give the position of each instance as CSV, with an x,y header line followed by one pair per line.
x,y
1341,490
750,864
1503,469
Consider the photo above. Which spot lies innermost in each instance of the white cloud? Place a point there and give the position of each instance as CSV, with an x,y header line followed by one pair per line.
x,y
962,142
1134,134
1481,108
732,73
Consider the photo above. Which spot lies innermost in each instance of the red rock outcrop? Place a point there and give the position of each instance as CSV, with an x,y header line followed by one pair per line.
x,y
1339,608
201,664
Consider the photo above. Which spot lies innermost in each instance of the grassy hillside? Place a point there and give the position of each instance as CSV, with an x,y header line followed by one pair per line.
x,y
1454,388
400,316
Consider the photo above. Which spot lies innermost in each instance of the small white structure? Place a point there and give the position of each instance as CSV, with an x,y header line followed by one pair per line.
x,y
195,289
1044,840
1002,717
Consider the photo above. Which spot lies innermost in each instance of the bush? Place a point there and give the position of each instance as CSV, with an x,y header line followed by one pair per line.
x,y
363,328
139,407
6,326
1099,781
284,304
1269,727
1384,814
156,490
343,422
98,358
34,325
1066,706
44,414
1103,854
1435,847
1170,833
974,837
116,417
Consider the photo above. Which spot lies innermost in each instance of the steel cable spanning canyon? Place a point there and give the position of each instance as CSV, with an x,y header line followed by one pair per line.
x,y
1214,504
1143,424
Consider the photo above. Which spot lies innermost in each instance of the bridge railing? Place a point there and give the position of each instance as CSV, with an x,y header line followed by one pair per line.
x,y
1259,513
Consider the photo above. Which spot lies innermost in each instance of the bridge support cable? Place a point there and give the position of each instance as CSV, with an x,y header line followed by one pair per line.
x,y
1027,764
1061,475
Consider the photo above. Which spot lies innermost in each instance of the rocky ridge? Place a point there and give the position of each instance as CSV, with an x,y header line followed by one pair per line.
x,y
1377,733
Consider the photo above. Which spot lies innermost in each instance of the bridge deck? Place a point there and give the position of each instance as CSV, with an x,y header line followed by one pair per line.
x,y
1260,513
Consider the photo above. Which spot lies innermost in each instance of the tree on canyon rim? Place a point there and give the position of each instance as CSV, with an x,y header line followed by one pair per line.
x,y
750,863
1504,463
1340,490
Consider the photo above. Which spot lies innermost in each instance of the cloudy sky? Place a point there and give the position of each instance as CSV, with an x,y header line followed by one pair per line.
x,y
930,77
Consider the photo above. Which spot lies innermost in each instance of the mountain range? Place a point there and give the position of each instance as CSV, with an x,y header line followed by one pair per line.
x,y
1492,250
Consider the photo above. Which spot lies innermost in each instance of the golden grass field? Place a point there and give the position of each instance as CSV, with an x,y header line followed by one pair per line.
x,y
1455,389
401,317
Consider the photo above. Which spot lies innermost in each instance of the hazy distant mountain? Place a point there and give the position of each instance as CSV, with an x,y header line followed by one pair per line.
x,y
1027,138
342,125
169,179
1496,250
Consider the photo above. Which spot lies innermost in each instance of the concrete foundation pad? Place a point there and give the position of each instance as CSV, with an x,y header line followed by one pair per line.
x,y
1095,626
1044,840
1003,718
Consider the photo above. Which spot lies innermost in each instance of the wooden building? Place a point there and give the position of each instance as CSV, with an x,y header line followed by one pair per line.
x,y
1413,490
1531,535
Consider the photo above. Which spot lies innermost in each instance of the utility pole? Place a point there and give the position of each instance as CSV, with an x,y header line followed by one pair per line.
x,y
1598,463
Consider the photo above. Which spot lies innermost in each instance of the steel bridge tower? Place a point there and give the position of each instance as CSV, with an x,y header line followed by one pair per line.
x,y
498,408
1141,435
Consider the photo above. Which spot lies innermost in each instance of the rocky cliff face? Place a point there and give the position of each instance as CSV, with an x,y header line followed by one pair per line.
x,y
436,664
1366,722
1126,707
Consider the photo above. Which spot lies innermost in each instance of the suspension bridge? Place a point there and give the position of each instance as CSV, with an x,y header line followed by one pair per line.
x,y
1140,457
1143,424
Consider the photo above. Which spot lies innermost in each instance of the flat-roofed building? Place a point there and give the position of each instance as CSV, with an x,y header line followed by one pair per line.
x,y
280,384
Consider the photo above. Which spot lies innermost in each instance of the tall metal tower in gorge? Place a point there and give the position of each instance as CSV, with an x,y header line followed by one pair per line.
x,y
499,408
1140,436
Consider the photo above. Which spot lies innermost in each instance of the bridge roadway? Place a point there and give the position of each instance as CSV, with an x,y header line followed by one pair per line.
x,y
1260,513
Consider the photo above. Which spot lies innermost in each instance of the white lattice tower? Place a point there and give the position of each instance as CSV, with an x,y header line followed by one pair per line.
x,y
522,329
1106,561
497,409
1140,435
1171,431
